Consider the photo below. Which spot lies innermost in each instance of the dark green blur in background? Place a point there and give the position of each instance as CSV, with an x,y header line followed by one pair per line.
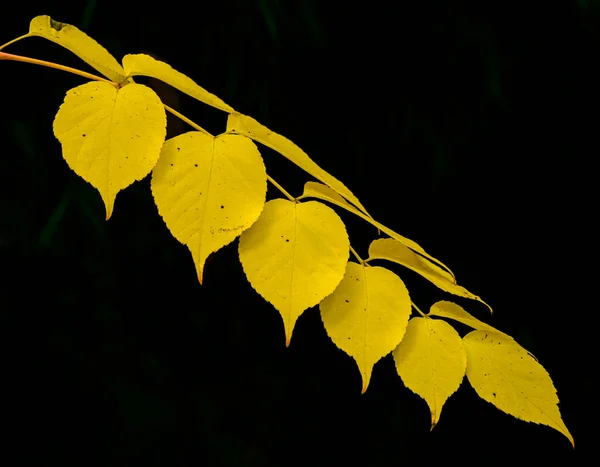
x,y
470,129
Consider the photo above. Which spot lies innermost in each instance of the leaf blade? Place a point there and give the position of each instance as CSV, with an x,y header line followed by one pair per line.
x,y
294,256
78,42
247,126
111,137
145,65
367,314
208,190
392,250
431,361
325,193
504,374
451,310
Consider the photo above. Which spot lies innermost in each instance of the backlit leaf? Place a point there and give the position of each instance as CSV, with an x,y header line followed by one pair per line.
x,y
111,137
244,125
80,44
367,315
393,250
294,256
453,311
145,65
208,190
323,192
431,361
503,373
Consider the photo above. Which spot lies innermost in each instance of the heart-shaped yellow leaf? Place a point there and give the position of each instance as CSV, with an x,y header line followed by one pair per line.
x,y
366,315
506,375
208,190
145,65
431,361
79,43
111,137
294,256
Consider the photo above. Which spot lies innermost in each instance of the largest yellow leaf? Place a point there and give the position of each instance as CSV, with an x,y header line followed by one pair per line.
x,y
145,65
79,43
244,125
111,137
367,315
503,373
393,250
208,190
294,256
431,361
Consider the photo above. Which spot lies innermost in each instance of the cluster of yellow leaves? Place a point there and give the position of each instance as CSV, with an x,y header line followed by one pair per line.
x,y
210,190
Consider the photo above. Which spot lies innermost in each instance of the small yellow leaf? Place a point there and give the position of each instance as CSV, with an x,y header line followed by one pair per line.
x,y
453,311
393,250
145,65
294,256
208,190
111,137
244,125
503,373
367,315
431,361
80,44
323,192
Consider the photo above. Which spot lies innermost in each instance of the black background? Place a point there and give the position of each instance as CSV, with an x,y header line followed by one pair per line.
x,y
469,129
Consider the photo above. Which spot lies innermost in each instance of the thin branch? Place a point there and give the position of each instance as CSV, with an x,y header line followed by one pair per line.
x,y
35,61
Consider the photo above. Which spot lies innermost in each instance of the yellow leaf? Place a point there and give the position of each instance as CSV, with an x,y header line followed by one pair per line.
x,y
453,311
208,190
393,250
145,65
367,315
294,256
323,192
80,44
247,126
111,137
503,373
431,361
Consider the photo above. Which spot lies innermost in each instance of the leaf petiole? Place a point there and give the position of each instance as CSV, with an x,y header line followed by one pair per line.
x,y
360,260
13,41
417,308
280,188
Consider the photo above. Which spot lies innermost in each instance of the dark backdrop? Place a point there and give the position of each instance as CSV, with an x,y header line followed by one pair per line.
x,y
469,129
